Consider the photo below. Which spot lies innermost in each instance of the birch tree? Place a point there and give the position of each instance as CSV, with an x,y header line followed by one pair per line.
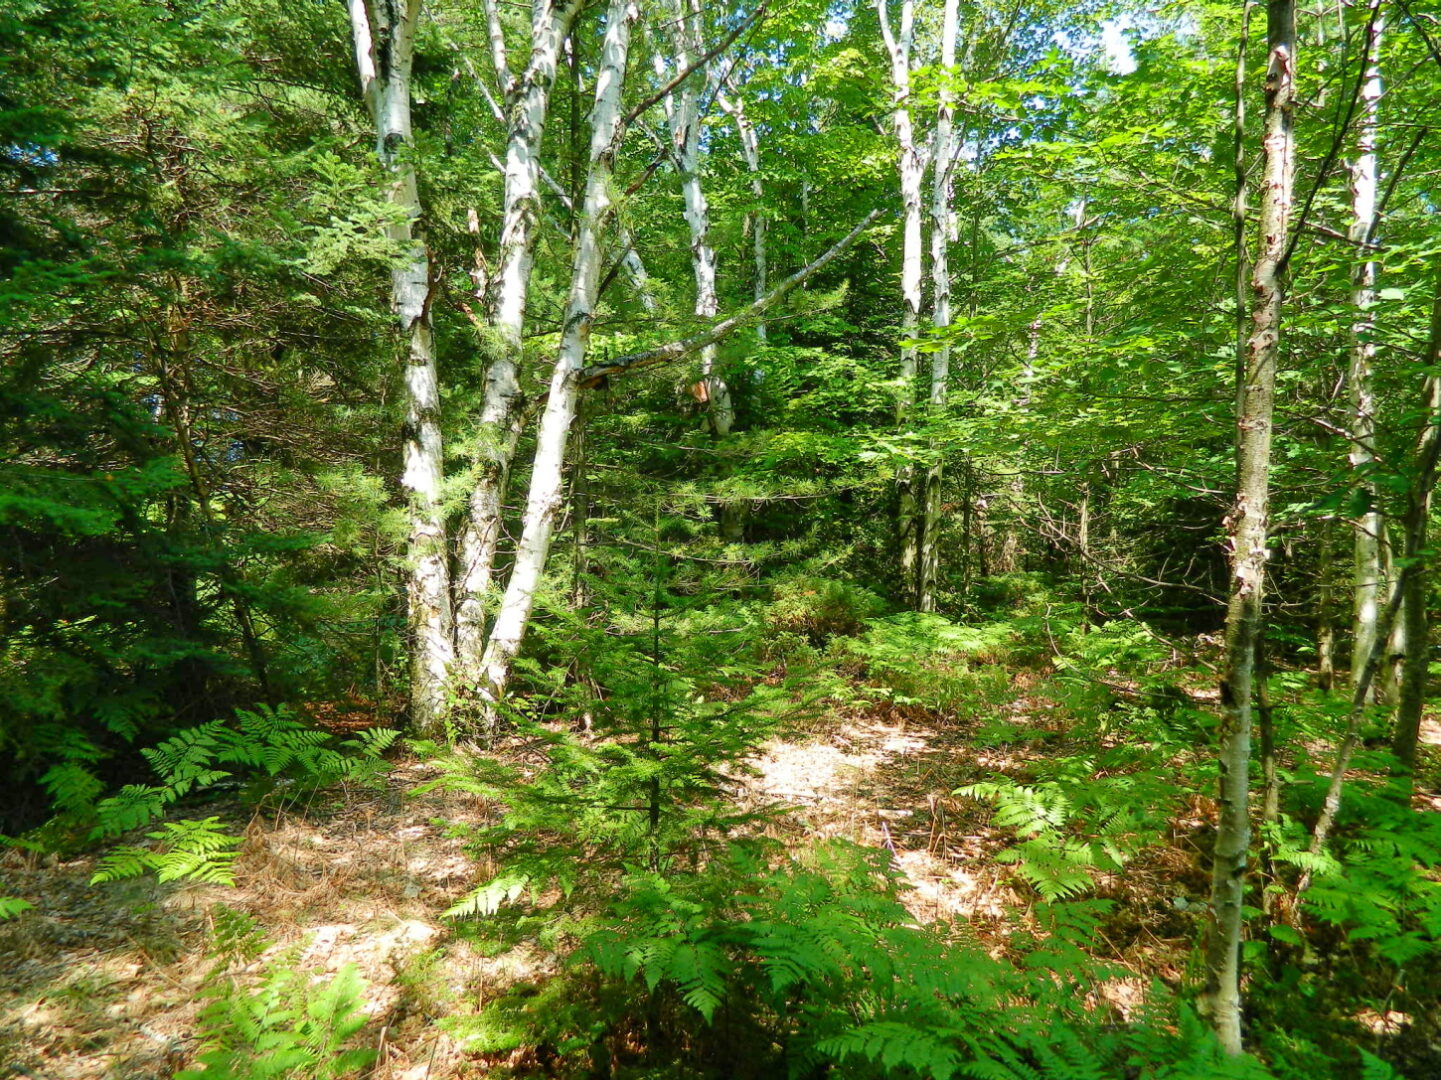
x,y
546,486
1368,582
899,44
383,35
1247,529
734,106
526,100
683,124
943,228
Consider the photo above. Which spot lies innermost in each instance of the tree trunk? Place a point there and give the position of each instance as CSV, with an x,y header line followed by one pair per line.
x,y
1368,582
943,228
1247,528
911,167
683,119
1418,513
384,51
750,148
528,104
1325,613
546,487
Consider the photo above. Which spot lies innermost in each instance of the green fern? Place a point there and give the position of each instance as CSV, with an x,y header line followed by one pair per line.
x,y
286,1029
1089,816
12,906
265,740
895,1045
191,850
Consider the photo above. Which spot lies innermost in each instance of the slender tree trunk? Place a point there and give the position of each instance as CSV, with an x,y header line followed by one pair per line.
x,y
546,485
631,261
911,167
1387,688
1247,528
1008,551
683,119
1418,513
1325,613
528,104
750,148
384,40
943,229
1368,583
1412,691
1423,483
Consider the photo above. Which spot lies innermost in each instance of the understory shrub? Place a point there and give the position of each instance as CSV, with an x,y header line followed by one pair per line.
x,y
288,1026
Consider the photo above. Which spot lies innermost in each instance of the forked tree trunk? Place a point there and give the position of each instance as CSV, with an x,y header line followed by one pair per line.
x,y
527,102
568,380
943,227
384,40
1247,528
546,485
1368,582
911,168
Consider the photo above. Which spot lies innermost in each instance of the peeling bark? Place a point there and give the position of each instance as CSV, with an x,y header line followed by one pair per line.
x,y
546,484
943,230
683,124
527,105
384,40
1247,526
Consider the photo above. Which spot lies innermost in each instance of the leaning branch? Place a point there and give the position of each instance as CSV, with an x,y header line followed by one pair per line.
x,y
676,350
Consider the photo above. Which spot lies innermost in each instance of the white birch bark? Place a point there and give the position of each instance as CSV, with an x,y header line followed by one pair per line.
x,y
734,107
384,41
546,487
1368,585
1248,523
683,123
911,169
634,265
527,100
943,229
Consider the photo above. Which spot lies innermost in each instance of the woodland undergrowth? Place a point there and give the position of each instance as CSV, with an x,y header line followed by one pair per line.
x,y
690,924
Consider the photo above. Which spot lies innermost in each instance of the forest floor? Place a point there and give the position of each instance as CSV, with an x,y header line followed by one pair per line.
x,y
108,981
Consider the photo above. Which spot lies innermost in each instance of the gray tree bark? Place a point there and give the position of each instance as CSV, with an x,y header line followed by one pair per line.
x,y
1248,524
1247,527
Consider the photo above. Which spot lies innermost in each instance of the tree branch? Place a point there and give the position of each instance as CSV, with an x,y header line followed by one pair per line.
x,y
694,66
675,350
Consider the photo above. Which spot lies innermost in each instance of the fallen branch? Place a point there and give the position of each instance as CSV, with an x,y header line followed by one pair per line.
x,y
597,373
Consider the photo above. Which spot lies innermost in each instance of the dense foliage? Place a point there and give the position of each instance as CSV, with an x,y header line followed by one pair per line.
x,y
275,340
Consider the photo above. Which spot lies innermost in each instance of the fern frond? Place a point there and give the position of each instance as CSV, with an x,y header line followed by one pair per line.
x,y
895,1045
12,906
490,897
